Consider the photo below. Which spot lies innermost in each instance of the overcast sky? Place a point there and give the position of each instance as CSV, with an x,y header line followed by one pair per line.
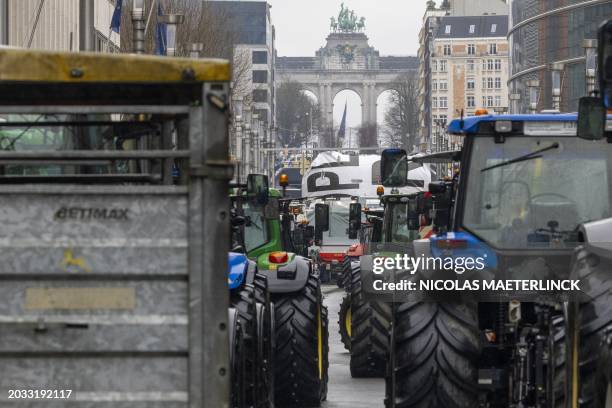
x,y
392,25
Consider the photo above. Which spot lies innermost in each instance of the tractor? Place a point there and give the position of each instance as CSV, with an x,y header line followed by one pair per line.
x,y
532,197
300,318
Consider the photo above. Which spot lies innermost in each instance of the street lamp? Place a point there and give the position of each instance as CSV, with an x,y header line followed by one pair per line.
x,y
514,102
556,69
138,24
171,21
533,86
590,53
237,104
196,50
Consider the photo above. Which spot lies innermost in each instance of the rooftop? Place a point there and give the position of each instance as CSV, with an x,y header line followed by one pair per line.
x,y
472,26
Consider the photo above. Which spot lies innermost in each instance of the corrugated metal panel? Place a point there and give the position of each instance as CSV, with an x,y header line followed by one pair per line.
x,y
58,25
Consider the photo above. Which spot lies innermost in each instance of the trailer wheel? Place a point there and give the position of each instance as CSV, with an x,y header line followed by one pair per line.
x,y
244,302
301,347
435,355
344,321
369,339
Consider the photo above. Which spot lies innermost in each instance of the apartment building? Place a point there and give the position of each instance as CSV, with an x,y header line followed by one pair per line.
x,y
468,69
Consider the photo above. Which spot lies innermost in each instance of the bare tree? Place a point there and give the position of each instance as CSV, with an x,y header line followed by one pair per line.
x,y
295,114
212,27
368,135
401,119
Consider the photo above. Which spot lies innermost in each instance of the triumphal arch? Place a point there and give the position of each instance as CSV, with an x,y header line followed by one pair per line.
x,y
347,61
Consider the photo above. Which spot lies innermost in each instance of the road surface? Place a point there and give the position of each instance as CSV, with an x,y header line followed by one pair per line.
x,y
345,391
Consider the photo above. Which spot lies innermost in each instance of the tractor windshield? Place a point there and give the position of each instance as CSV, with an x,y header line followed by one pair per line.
x,y
255,229
397,224
531,192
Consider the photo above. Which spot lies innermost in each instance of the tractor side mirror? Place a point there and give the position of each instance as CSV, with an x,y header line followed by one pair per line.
x,y
322,217
354,220
394,167
412,214
258,188
591,118
604,52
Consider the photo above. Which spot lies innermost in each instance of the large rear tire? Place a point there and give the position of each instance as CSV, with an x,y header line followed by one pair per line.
x,y
370,324
301,347
344,321
237,363
435,357
595,319
603,375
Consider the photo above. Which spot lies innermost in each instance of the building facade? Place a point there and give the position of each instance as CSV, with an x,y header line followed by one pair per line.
x,y
254,87
464,68
546,32
54,25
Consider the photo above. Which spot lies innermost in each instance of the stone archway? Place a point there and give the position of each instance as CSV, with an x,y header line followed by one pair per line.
x,y
347,61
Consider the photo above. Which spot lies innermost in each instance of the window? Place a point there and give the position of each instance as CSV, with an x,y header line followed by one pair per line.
x,y
490,65
447,29
447,49
493,28
434,102
484,101
470,65
260,77
471,84
434,85
497,101
443,118
497,83
443,85
489,101
471,102
471,49
442,65
260,95
489,83
472,28
434,65
484,64
256,233
498,65
260,57
443,102
492,49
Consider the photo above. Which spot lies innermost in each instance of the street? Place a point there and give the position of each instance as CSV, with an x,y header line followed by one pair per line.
x,y
344,391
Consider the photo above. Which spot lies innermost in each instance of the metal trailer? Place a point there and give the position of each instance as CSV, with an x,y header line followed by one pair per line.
x,y
113,291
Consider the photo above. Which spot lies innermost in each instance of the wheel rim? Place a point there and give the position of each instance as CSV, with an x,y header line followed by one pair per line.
x,y
320,342
347,321
609,396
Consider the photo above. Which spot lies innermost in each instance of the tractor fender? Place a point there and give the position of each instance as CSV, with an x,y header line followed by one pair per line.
x,y
293,276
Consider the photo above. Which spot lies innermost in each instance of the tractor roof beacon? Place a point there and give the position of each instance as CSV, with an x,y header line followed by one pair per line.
x,y
110,260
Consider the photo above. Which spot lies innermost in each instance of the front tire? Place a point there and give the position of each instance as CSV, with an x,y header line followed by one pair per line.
x,y
301,347
369,339
435,357
344,322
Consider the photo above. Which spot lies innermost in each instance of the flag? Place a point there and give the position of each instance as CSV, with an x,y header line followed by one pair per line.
x,y
116,19
160,33
342,130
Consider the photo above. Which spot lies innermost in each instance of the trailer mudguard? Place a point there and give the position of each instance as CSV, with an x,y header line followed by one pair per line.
x,y
288,277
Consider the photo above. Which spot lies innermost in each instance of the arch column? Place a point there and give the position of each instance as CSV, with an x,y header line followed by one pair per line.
x,y
368,103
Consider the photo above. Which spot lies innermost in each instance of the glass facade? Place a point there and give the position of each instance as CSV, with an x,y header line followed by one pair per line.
x,y
555,37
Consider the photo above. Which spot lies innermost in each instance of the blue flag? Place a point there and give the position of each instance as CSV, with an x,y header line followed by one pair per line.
x,y
160,33
342,130
116,19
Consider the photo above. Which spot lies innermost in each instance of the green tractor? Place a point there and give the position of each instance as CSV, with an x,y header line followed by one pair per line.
x,y
365,324
301,323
